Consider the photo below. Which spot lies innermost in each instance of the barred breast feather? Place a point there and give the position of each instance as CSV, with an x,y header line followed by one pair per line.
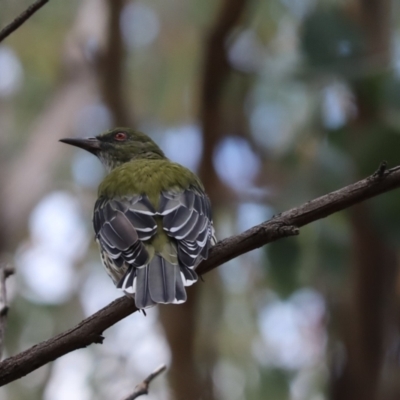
x,y
151,245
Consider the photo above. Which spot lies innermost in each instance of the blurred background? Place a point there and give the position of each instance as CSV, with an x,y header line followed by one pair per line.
x,y
272,103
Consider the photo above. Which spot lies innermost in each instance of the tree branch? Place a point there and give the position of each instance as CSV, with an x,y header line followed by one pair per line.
x,y
23,17
283,225
143,387
286,224
5,272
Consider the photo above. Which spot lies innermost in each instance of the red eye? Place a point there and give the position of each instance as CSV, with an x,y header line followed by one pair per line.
x,y
121,136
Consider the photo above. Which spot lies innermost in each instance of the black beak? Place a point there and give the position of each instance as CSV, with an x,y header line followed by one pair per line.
x,y
92,145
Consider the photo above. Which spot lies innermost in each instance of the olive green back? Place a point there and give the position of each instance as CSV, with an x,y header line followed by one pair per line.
x,y
147,176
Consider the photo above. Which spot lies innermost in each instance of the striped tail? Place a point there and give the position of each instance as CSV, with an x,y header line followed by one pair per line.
x,y
157,282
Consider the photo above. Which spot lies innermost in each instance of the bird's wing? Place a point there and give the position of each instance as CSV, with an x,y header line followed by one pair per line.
x,y
187,218
121,225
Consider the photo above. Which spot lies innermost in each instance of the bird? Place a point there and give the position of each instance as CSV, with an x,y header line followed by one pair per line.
x,y
152,218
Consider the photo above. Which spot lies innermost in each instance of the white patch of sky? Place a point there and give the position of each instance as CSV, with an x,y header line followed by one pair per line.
x,y
395,52
58,239
292,331
98,289
236,163
92,120
337,105
183,144
270,123
140,24
251,214
229,380
137,328
87,170
236,274
246,52
11,72
55,222
70,377
49,279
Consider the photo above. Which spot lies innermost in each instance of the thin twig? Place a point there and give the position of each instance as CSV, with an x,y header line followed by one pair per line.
x,y
381,169
143,387
283,225
5,272
23,17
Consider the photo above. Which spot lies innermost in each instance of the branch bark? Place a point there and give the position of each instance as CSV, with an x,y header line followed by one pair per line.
x,y
143,387
283,225
23,17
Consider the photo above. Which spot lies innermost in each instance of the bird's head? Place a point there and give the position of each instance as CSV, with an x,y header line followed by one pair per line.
x,y
118,146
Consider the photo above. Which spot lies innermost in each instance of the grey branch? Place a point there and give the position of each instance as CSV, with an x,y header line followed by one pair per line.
x,y
23,17
143,387
90,330
5,272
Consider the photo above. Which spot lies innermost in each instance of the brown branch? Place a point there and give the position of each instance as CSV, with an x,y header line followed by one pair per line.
x,y
82,335
286,224
283,225
143,387
5,272
23,17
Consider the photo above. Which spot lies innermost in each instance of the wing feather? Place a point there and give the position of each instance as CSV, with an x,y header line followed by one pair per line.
x,y
187,219
120,226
